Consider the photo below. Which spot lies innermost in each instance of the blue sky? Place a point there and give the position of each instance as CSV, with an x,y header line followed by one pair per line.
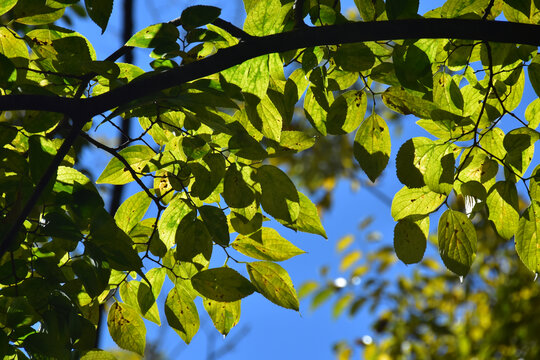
x,y
272,332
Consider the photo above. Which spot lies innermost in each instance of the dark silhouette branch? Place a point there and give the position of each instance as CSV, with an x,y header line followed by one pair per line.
x,y
495,31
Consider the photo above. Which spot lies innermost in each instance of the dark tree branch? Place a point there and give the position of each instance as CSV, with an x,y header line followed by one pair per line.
x,y
495,31
232,29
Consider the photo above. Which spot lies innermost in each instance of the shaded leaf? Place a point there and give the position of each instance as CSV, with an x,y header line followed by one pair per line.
x,y
279,196
457,241
99,11
346,112
222,284
182,314
410,238
198,15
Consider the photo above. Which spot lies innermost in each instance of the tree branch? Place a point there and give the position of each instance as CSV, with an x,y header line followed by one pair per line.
x,y
495,31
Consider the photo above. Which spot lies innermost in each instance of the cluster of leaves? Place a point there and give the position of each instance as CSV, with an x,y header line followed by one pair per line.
x,y
203,157
489,315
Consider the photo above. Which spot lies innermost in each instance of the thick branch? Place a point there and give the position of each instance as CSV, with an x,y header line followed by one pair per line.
x,y
495,31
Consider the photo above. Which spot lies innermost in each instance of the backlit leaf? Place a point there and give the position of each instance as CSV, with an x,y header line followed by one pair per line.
x,y
346,112
528,237
170,220
182,314
132,210
273,282
266,244
420,201
154,36
127,328
502,204
372,146
137,156
457,241
224,315
222,284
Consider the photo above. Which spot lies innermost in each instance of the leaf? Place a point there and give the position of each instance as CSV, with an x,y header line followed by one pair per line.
x,y
222,284
421,201
346,112
534,74
132,210
273,282
532,113
349,260
236,193
154,36
224,315
198,15
265,17
372,146
266,244
6,5
143,298
341,305
355,57
410,238
192,240
216,223
94,276
398,9
519,144
502,204
251,76
182,314
528,237
296,140
170,220
97,355
400,101
115,173
99,11
279,196
127,328
308,219
316,106
32,12
457,241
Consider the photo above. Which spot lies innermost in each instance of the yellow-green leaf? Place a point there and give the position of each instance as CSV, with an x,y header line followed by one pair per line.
x,y
502,204
346,112
421,201
170,219
181,314
132,211
372,146
273,282
457,241
266,244
127,328
528,237
115,173
224,315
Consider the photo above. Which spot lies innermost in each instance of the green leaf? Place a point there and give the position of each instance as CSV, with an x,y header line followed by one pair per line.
x,y
420,201
222,284
296,140
251,76
41,152
114,243
534,74
12,46
457,241
355,57
264,116
316,106
198,15
273,282
341,305
502,204
115,173
154,36
308,218
369,9
399,9
99,11
170,220
182,314
97,355
372,146
528,237
266,17
410,238
402,102
519,144
236,191
279,196
143,298
127,328
532,114
132,210
224,315
6,5
216,222
346,112
94,276
37,12
192,239
266,244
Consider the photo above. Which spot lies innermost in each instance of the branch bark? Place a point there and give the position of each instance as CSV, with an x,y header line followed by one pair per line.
x,y
494,31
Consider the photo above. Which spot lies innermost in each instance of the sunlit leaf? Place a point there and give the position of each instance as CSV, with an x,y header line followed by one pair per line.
x,y
127,328
346,112
457,241
116,173
222,284
421,201
528,237
132,210
502,204
182,314
372,146
266,244
224,315
273,282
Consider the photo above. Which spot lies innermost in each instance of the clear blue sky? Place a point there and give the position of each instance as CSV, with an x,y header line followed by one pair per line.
x,y
272,332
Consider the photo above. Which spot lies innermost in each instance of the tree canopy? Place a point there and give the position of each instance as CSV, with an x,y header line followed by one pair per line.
x,y
218,132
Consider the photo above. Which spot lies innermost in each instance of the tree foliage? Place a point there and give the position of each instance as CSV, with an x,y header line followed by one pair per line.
x,y
216,115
